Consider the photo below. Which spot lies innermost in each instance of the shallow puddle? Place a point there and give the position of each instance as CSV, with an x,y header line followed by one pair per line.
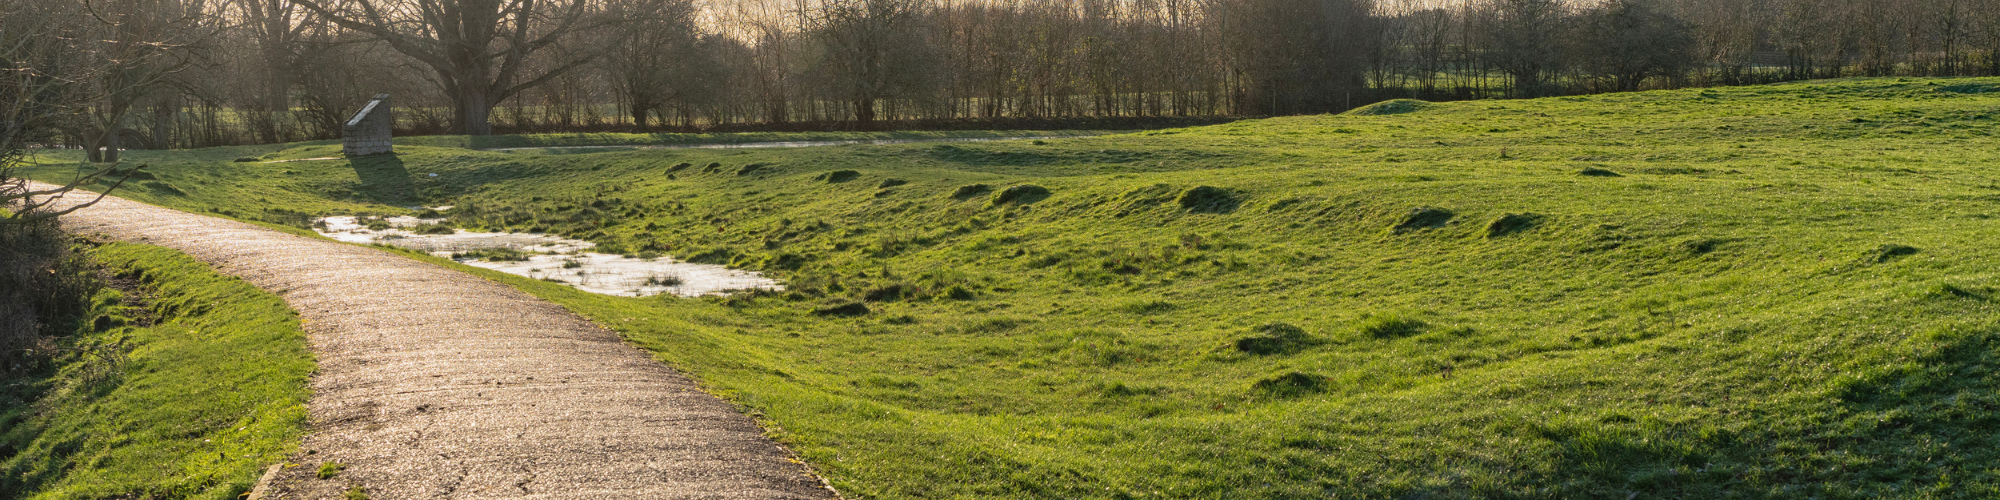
x,y
548,258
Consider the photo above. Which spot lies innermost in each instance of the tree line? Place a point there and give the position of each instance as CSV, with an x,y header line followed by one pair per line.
x,y
191,73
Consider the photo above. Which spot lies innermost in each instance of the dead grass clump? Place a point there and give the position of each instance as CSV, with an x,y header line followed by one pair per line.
x,y
970,190
1209,199
1512,223
1025,193
1275,338
1424,218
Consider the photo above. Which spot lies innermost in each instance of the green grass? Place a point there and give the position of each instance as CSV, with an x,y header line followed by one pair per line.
x,y
187,390
1784,291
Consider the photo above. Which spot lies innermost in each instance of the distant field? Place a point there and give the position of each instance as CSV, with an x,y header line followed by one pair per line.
x,y
1783,290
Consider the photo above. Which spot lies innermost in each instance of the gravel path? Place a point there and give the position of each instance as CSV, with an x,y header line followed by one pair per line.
x,y
438,384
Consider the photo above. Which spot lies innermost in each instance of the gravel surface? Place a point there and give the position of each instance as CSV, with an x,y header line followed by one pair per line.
x,y
438,384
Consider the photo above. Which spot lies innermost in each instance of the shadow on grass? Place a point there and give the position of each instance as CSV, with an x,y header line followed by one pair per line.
x,y
384,180
1925,426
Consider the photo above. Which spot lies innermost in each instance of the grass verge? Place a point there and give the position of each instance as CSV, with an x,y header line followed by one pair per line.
x,y
178,383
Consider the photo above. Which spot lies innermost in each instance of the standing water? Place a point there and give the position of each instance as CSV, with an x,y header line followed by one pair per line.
x,y
546,258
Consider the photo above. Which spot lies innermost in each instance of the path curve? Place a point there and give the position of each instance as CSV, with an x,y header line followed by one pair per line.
x,y
437,384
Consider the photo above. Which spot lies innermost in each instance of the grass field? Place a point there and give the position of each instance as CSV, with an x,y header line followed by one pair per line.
x,y
185,384
1781,290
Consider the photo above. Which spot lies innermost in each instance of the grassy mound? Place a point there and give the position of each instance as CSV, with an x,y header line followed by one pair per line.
x,y
1735,315
180,383
1025,193
1390,107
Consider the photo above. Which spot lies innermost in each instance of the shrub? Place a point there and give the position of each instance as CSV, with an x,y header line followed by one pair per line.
x,y
436,229
1025,193
1209,199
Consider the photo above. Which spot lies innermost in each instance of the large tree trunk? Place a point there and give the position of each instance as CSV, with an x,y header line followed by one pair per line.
x,y
111,145
474,112
864,111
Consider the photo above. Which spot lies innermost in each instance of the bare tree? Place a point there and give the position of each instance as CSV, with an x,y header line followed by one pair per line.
x,y
479,49
46,80
137,47
1523,40
1296,55
873,49
659,58
1627,41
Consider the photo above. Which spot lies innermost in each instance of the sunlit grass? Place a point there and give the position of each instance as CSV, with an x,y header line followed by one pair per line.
x,y
1476,315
